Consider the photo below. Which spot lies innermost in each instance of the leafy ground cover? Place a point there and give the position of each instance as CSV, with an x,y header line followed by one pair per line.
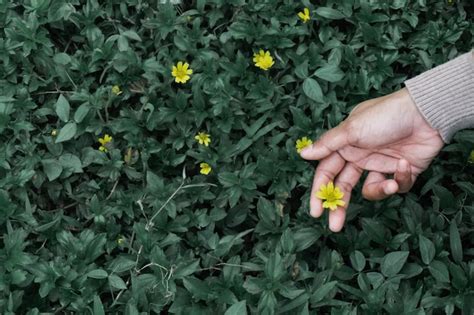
x,y
132,183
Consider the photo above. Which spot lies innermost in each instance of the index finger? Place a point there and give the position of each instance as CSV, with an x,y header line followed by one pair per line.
x,y
326,171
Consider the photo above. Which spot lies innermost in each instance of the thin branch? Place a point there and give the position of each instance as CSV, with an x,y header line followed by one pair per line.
x,y
53,92
70,79
113,190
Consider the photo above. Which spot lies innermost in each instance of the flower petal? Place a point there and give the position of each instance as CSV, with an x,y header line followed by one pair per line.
x,y
341,203
338,194
320,195
330,187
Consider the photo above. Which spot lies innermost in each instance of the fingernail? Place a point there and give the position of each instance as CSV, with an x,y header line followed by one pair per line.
x,y
334,227
390,188
304,151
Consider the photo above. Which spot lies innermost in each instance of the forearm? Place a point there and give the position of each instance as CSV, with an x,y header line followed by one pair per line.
x,y
445,95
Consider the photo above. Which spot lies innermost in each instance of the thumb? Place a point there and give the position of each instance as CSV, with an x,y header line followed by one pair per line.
x,y
329,142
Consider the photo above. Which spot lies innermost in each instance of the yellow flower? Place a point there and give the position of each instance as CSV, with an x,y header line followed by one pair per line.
x,y
304,16
203,138
332,196
54,132
181,72
205,168
121,240
471,157
263,60
116,90
104,141
302,143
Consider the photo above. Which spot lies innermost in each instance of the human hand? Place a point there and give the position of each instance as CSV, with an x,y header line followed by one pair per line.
x,y
385,135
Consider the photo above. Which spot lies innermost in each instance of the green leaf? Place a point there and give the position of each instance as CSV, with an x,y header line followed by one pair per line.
x,y
228,179
98,274
357,260
274,267
71,162
199,289
186,269
81,113
117,282
393,262
62,108
455,242
296,302
374,229
52,168
439,271
98,307
329,13
131,309
18,276
301,70
459,279
154,182
447,199
312,90
427,249
330,73
305,238
132,35
322,292
67,132
62,59
239,308
121,264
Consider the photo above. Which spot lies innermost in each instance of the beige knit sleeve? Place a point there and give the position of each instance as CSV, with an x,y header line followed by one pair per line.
x,y
445,95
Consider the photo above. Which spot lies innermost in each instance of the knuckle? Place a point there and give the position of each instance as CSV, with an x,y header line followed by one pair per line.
x,y
345,186
352,130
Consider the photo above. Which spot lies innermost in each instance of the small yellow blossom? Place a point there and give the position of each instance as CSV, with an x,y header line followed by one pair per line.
x,y
104,141
181,73
302,143
116,90
128,156
263,60
471,157
203,138
304,16
121,241
54,132
205,168
332,196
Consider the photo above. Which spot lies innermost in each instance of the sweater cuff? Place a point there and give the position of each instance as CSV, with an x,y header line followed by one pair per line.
x,y
445,95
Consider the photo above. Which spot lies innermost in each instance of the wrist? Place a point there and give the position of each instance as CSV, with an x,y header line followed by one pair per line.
x,y
444,95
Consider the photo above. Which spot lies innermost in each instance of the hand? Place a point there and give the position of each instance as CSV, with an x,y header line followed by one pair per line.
x,y
386,135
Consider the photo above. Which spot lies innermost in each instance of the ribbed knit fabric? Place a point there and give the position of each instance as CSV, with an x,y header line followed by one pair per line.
x,y
445,95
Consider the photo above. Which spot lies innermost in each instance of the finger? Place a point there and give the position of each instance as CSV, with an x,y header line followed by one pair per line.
x,y
403,176
328,143
336,219
377,187
347,179
326,171
380,163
